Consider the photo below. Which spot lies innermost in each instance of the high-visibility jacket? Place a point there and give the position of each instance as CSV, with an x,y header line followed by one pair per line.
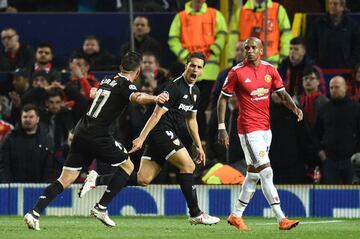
x,y
198,31
249,21
204,30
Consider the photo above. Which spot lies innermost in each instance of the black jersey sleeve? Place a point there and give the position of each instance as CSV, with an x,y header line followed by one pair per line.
x,y
127,88
172,90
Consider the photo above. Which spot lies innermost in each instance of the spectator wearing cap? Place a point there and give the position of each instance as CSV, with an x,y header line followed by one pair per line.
x,y
99,59
43,62
14,54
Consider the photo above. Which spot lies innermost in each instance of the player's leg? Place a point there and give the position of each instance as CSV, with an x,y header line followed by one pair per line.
x,y
148,170
259,144
67,177
182,160
247,190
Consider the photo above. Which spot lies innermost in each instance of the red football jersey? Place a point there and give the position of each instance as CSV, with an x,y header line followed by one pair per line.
x,y
253,86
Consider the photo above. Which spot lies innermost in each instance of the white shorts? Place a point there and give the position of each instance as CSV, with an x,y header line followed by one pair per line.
x,y
256,147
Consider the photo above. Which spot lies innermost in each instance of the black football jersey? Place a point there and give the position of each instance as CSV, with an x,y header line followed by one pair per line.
x,y
111,100
183,100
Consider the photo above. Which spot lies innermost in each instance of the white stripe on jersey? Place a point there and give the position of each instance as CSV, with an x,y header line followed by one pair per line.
x,y
266,63
280,89
178,77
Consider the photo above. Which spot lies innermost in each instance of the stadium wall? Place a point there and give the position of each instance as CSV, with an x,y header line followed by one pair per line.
x,y
297,200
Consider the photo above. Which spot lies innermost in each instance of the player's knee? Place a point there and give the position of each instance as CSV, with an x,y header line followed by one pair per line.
x,y
67,181
128,166
188,167
266,174
143,180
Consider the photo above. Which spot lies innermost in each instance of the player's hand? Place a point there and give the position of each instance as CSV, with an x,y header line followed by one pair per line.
x,y
298,112
137,144
223,138
200,158
162,98
93,92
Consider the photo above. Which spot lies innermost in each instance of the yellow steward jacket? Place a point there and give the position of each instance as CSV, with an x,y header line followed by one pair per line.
x,y
204,31
249,21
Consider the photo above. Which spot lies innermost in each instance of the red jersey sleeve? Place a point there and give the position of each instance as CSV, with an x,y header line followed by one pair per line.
x,y
230,83
277,83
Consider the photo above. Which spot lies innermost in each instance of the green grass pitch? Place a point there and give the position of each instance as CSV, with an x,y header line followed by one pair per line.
x,y
143,227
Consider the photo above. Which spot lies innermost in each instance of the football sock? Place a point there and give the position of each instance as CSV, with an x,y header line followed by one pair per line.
x,y
117,182
47,196
247,191
189,191
133,179
103,179
270,192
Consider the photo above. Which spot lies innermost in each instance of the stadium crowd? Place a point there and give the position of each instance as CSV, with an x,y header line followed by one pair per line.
x,y
38,115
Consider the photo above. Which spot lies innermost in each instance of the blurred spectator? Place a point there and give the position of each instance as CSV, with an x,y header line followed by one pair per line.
x,y
311,100
80,79
292,67
57,118
99,59
21,84
5,7
338,131
45,5
239,57
354,84
14,54
26,155
5,127
199,28
215,151
142,41
334,39
43,62
249,21
289,163
152,75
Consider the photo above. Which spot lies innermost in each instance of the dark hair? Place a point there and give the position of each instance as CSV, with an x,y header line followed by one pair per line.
x,y
55,93
298,41
130,61
29,107
80,56
309,70
44,44
198,55
142,16
92,37
150,53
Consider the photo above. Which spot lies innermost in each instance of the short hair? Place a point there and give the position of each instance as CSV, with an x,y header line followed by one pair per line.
x,y
298,41
92,37
55,93
130,61
150,53
29,107
80,56
198,55
44,44
309,70
142,16
9,28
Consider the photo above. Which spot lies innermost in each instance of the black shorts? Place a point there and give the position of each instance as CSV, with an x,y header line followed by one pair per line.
x,y
161,145
85,148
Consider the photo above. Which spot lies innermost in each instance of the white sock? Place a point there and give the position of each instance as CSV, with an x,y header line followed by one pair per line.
x,y
270,192
247,191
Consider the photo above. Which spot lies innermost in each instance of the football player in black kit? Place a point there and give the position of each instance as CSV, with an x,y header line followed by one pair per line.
x,y
163,144
92,140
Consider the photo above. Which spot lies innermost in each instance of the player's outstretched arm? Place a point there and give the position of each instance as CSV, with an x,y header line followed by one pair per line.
x,y
290,104
150,124
143,98
193,129
223,137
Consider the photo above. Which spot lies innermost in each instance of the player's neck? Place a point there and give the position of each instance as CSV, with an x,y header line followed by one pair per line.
x,y
254,63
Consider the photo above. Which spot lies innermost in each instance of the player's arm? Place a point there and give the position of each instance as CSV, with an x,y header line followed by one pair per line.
x,y
223,137
290,104
143,98
193,129
150,124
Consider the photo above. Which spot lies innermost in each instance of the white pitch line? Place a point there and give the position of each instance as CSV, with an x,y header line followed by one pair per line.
x,y
314,222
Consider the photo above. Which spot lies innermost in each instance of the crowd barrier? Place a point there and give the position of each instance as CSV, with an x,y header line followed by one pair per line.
x,y
166,200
